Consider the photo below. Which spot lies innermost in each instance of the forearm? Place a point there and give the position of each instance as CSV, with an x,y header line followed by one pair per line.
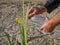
x,y
56,19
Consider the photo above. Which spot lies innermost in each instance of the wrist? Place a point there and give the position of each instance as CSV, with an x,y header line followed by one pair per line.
x,y
42,9
54,22
45,9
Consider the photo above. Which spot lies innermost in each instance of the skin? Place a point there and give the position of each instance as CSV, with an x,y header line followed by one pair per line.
x,y
49,24
35,10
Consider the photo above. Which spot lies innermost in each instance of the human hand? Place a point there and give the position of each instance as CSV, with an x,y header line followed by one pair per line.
x,y
36,10
48,26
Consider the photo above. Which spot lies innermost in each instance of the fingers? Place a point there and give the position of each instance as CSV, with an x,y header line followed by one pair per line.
x,y
44,25
30,10
31,13
47,19
42,28
46,28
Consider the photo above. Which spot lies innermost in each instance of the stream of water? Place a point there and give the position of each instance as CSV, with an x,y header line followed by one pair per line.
x,y
38,21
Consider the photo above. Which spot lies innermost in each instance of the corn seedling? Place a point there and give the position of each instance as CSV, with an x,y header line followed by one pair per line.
x,y
8,38
22,24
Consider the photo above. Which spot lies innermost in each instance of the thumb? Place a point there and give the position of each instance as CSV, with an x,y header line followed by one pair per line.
x,y
47,19
32,14
43,26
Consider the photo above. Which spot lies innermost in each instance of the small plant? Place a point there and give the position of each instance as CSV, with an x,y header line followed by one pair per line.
x,y
9,40
22,24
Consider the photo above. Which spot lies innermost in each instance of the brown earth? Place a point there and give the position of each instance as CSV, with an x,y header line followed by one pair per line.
x,y
10,10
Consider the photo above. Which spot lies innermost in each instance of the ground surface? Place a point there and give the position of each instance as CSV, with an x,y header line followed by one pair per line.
x,y
9,10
